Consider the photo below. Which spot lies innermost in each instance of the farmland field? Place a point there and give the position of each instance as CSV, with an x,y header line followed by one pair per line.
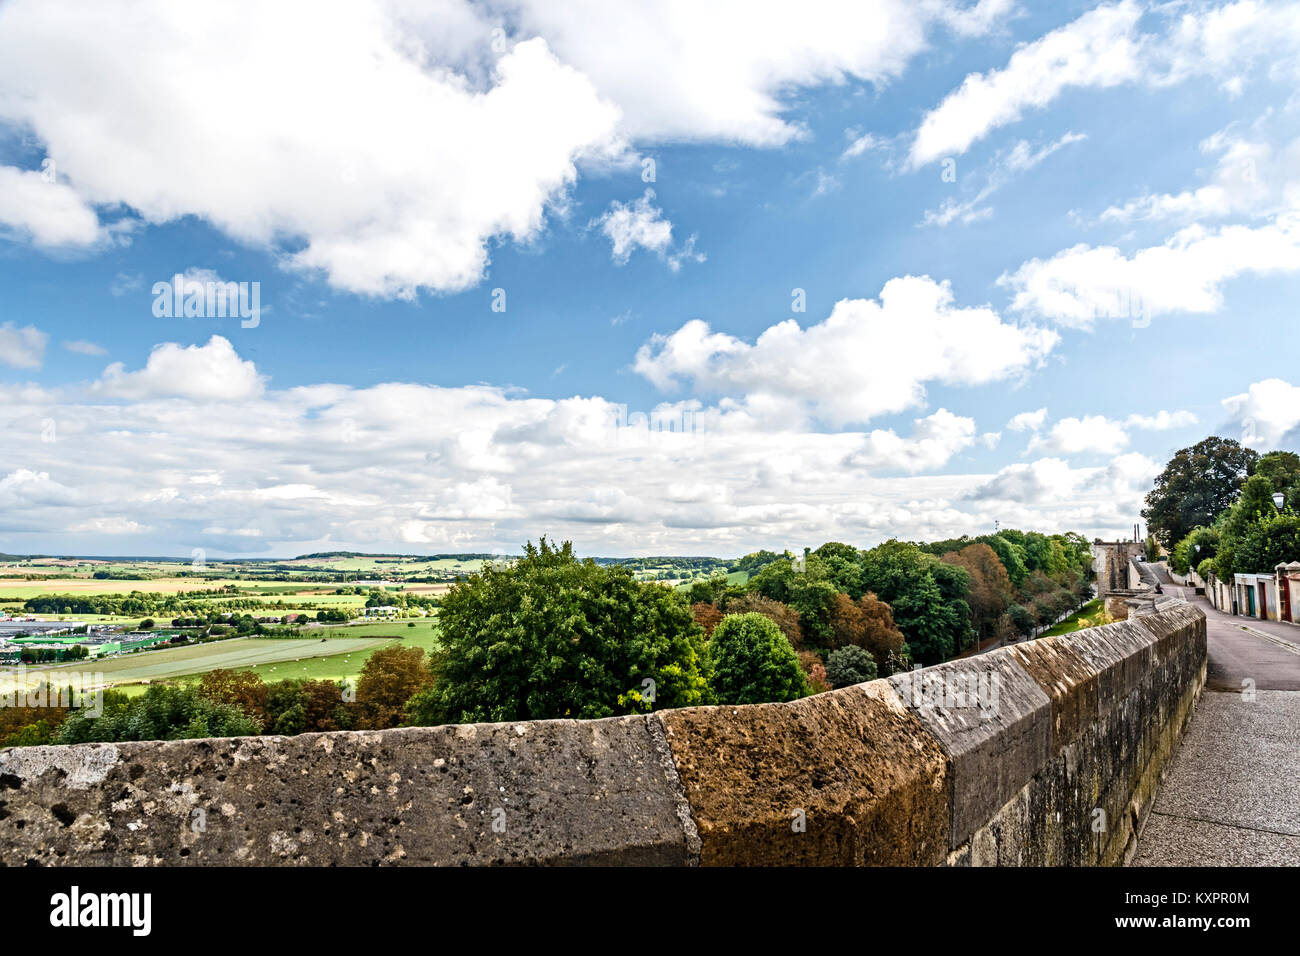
x,y
240,653
262,590
19,588
342,658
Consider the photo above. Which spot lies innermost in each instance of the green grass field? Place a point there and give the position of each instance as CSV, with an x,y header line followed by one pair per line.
x,y
1092,614
341,658
240,653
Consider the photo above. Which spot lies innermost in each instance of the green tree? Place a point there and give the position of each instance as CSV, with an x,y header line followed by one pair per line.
x,y
1282,468
753,563
552,636
1200,543
775,581
843,568
1038,552
849,665
708,592
753,663
1011,555
162,712
927,597
389,678
1197,485
815,601
1023,620
307,706
1272,540
1254,505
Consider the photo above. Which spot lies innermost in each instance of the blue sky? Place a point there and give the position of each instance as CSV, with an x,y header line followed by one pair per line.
x,y
991,209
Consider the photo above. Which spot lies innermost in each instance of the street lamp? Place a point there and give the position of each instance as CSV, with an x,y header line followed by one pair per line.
x,y
1279,499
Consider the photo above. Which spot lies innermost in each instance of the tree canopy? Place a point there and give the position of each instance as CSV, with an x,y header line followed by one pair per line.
x,y
551,636
927,598
1197,485
752,662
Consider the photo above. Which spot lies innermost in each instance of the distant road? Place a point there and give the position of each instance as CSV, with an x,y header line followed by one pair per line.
x,y
1237,654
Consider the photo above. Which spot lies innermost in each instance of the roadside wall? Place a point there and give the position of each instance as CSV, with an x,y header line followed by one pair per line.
x,y
1043,753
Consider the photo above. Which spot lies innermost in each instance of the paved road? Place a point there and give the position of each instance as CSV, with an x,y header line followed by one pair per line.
x,y
1232,794
1241,648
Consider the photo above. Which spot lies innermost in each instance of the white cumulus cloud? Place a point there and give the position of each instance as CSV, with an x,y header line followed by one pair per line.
x,y
50,213
1268,414
385,144
640,224
1082,284
1090,433
213,371
868,358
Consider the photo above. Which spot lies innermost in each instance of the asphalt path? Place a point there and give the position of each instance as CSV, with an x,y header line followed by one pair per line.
x,y
1231,795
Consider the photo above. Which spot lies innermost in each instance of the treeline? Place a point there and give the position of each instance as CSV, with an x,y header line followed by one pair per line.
x,y
552,636
228,703
139,603
470,556
51,655
1214,510
670,567
381,597
904,602
209,604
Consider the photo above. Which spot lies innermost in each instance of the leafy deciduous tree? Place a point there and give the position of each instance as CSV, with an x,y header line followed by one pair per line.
x,y
552,636
753,663
1197,485
785,617
389,678
850,665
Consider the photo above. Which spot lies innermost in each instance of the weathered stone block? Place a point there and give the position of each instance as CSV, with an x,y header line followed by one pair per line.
x,y
853,767
557,791
1068,679
996,738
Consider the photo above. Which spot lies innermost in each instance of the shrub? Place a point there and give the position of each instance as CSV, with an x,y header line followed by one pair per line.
x,y
753,663
850,665
306,706
1267,542
163,712
814,671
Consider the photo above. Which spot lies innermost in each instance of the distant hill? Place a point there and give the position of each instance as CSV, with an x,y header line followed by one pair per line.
x,y
319,555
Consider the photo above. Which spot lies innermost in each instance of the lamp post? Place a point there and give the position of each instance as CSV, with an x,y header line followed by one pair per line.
x,y
1279,499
